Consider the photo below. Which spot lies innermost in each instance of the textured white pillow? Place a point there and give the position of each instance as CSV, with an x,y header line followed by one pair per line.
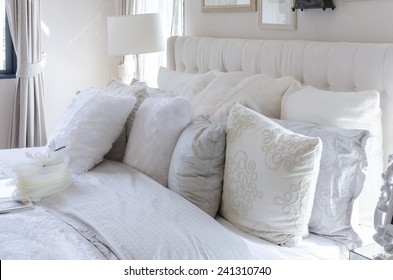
x,y
270,177
90,125
340,180
157,127
197,166
352,110
261,93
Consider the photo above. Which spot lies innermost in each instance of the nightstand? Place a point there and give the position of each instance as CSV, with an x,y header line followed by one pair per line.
x,y
372,251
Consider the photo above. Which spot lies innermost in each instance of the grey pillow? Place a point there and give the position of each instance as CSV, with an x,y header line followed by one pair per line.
x,y
197,166
340,181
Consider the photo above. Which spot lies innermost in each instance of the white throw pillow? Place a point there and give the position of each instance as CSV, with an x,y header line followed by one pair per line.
x,y
198,84
174,81
340,180
205,101
197,166
157,127
90,125
262,93
270,177
352,110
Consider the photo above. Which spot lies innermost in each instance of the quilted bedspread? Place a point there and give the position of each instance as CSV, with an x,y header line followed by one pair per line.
x,y
113,212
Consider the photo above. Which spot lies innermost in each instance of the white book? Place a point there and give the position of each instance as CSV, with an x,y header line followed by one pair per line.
x,y
7,202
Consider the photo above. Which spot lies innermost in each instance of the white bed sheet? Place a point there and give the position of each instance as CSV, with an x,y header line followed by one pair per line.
x,y
312,247
72,244
26,234
122,213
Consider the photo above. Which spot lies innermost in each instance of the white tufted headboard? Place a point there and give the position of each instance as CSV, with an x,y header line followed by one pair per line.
x,y
335,66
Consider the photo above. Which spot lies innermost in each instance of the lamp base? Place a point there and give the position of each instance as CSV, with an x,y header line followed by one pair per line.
x,y
125,73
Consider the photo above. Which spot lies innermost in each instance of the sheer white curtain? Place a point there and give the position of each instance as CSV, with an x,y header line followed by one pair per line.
x,y
28,122
172,21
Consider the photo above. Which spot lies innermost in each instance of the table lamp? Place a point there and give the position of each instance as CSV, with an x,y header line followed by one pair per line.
x,y
132,35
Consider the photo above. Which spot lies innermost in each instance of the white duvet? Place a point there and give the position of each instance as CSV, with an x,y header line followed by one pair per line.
x,y
115,212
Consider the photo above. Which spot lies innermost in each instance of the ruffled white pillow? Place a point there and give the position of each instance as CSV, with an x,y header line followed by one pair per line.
x,y
90,125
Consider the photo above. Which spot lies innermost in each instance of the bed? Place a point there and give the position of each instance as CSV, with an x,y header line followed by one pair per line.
x,y
309,118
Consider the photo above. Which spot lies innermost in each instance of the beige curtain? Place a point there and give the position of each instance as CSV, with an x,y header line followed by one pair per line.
x,y
172,22
28,122
127,7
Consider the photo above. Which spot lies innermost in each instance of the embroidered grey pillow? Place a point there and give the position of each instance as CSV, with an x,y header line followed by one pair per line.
x,y
340,181
197,165
270,177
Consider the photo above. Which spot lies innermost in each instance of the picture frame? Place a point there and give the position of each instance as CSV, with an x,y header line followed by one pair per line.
x,y
228,6
276,14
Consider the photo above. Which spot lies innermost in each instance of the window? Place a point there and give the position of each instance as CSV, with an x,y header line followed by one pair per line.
x,y
172,22
7,53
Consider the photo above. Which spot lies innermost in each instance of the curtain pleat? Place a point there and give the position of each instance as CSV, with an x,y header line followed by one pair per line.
x,y
127,7
28,121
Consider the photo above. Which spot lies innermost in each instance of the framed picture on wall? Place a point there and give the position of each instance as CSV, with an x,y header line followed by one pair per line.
x,y
229,5
276,14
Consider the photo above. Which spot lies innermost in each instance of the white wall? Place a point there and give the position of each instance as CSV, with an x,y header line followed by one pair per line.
x,y
355,20
75,40
76,47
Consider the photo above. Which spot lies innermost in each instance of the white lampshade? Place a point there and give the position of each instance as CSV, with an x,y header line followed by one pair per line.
x,y
134,34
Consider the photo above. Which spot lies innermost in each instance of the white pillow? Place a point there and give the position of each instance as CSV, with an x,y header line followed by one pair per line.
x,y
205,101
90,125
352,110
198,84
157,127
270,177
262,93
197,166
174,81
340,180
